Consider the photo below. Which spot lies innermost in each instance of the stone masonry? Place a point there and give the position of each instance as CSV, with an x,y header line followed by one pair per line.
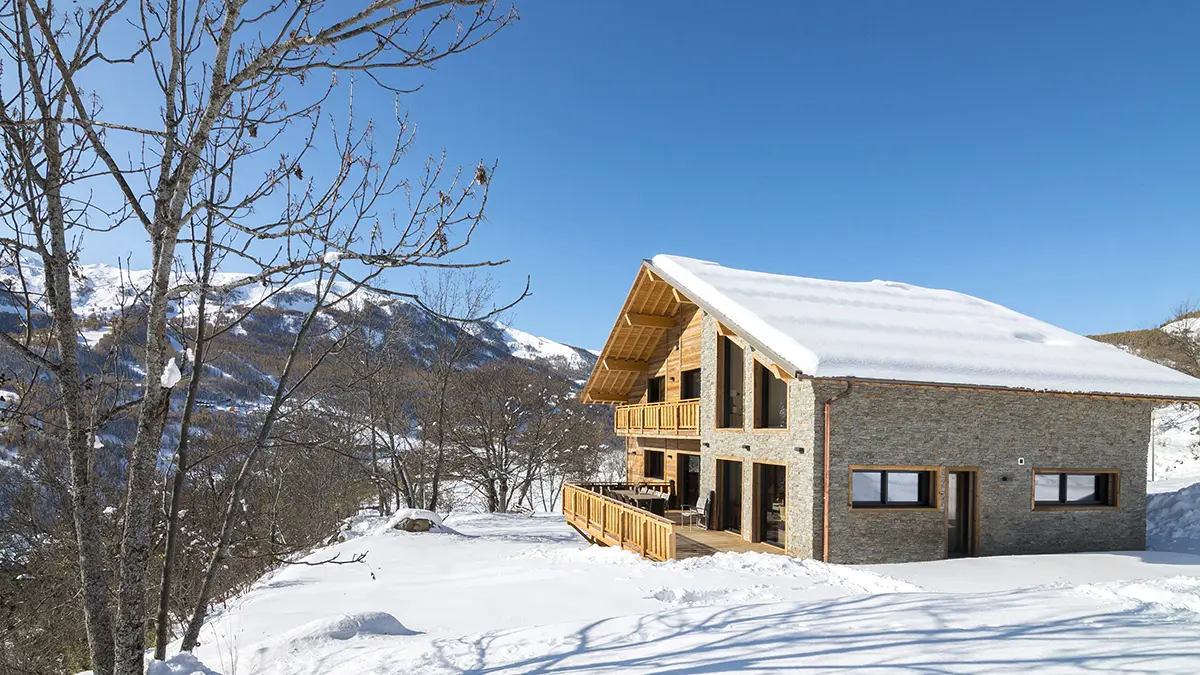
x,y
896,425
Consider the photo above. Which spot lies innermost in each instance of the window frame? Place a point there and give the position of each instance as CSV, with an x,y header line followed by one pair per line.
x,y
661,381
722,421
1112,500
934,488
662,463
760,386
683,378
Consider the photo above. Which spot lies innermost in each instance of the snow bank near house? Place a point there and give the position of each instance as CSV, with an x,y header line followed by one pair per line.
x,y
894,331
1173,516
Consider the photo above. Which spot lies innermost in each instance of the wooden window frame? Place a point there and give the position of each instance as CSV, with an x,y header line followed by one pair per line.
x,y
718,497
975,511
699,387
662,382
935,489
756,414
755,526
719,408
1114,489
662,465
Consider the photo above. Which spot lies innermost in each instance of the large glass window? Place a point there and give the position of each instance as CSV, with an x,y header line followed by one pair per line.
x,y
1058,488
653,464
732,385
656,390
771,484
893,488
689,385
770,402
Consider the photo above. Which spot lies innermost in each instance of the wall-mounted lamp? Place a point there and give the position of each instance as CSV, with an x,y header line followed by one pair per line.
x,y
745,447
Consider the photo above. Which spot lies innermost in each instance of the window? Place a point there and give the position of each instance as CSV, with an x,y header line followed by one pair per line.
x,y
656,390
893,488
689,385
770,399
1064,488
653,465
732,377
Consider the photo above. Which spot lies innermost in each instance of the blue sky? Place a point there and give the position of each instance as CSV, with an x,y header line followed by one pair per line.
x,y
1045,156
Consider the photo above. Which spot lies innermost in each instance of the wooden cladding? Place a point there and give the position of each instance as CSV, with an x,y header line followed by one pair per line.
x,y
625,365
649,320
609,522
669,418
657,334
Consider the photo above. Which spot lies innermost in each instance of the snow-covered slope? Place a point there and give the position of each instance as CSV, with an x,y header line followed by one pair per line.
x,y
513,594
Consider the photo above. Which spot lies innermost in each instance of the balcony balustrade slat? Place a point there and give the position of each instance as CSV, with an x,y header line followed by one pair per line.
x,y
669,417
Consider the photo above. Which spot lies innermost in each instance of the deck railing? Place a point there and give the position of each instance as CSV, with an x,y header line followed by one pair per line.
x,y
668,417
610,522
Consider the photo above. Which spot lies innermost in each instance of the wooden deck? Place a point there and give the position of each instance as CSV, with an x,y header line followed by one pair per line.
x,y
609,522
693,542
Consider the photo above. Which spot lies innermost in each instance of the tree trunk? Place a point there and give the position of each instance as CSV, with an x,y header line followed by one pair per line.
x,y
84,507
130,632
162,622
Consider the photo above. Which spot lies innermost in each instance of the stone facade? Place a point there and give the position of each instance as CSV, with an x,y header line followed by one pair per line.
x,y
1004,435
793,447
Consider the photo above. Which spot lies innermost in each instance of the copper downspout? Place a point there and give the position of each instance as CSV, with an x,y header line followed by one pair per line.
x,y
825,474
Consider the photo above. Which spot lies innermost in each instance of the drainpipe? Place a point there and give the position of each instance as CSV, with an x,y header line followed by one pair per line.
x,y
825,474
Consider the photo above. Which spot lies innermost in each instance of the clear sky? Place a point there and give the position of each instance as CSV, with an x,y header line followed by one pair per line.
x,y
1045,156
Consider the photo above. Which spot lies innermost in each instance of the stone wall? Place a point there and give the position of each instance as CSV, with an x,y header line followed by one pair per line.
x,y
993,431
792,447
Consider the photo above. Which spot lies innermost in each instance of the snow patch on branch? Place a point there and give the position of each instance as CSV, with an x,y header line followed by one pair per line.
x,y
171,375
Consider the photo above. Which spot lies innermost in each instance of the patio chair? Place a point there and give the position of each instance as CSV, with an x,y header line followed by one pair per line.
x,y
695,513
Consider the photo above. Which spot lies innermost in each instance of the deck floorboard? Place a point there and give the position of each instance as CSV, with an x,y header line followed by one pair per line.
x,y
692,541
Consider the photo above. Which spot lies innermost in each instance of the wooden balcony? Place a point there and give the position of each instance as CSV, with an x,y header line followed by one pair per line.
x,y
670,418
607,521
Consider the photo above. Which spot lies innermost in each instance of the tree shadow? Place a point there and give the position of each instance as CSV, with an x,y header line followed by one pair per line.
x,y
920,633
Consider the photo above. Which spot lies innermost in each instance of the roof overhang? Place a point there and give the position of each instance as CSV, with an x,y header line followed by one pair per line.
x,y
650,310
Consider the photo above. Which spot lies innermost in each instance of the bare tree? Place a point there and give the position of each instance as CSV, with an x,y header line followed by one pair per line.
x,y
231,85
519,431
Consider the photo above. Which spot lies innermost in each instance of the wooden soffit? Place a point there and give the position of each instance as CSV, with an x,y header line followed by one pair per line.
x,y
650,310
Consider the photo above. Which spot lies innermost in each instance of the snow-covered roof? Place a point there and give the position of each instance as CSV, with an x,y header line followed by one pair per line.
x,y
884,330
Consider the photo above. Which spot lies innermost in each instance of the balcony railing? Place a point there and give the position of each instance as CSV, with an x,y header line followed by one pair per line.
x,y
679,418
609,522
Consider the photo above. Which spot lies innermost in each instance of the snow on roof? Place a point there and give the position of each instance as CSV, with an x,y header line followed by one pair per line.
x,y
884,330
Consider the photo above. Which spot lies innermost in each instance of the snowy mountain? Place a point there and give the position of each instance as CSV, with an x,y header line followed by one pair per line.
x,y
106,296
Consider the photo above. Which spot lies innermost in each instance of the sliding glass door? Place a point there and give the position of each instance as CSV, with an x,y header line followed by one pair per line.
x,y
770,485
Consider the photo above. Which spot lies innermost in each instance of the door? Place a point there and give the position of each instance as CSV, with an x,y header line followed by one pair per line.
x,y
688,480
770,492
729,495
962,509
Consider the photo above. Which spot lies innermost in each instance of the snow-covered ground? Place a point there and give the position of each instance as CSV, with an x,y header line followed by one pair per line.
x,y
514,594
504,594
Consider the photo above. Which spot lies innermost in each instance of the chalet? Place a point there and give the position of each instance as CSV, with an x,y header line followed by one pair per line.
x,y
871,422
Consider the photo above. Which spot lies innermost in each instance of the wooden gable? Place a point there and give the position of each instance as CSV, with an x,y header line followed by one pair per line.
x,y
653,312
